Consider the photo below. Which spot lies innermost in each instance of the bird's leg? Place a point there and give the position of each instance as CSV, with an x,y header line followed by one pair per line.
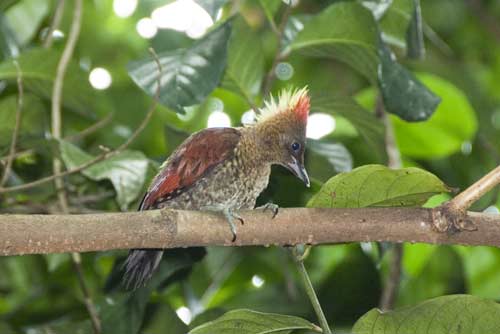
x,y
230,216
274,208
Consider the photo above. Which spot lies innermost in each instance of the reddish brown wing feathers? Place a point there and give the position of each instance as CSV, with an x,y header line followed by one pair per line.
x,y
192,160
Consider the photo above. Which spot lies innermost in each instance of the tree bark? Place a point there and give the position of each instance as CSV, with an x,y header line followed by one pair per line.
x,y
41,234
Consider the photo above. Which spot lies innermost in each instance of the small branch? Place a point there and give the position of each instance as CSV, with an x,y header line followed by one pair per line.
x,y
56,21
466,198
91,129
42,234
299,261
271,75
17,126
57,94
391,288
78,136
87,300
103,156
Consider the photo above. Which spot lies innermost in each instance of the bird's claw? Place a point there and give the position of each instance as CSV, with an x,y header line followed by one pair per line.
x,y
230,217
274,208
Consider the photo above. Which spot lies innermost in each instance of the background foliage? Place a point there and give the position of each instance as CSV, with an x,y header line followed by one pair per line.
x,y
351,54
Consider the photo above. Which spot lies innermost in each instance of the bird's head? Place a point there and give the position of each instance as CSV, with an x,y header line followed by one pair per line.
x,y
281,129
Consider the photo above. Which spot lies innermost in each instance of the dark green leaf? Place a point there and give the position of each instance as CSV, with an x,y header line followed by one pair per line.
x,y
126,170
377,185
371,129
404,95
443,315
245,63
189,75
251,322
415,35
345,31
395,21
38,68
453,123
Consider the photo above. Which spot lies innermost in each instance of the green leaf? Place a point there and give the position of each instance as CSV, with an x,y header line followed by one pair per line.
x,y
337,154
8,44
25,18
126,170
415,34
482,270
270,8
446,315
188,75
453,123
212,6
345,31
38,67
54,261
377,185
404,95
252,322
245,64
441,273
370,128
33,120
395,21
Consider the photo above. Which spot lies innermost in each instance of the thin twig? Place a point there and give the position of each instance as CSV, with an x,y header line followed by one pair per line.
x,y
87,299
77,136
57,94
466,198
299,261
56,21
17,126
391,288
271,75
102,156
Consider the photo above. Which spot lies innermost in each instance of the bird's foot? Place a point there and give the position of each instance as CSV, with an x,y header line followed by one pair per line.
x,y
230,216
449,219
274,208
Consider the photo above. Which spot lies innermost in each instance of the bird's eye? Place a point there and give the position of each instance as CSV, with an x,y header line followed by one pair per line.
x,y
295,146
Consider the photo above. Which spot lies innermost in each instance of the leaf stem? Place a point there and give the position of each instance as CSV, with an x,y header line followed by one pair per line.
x,y
299,261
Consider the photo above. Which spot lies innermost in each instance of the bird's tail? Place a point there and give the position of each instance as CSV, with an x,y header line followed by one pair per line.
x,y
140,266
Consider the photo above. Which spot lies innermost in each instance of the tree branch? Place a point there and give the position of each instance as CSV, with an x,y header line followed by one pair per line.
x,y
42,234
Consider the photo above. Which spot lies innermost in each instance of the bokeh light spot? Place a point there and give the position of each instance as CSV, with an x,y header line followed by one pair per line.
x,y
319,125
100,78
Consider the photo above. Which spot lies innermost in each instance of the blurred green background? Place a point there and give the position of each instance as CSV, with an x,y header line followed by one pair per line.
x,y
459,143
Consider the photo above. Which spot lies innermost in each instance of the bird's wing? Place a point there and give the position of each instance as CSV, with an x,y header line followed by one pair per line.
x,y
199,154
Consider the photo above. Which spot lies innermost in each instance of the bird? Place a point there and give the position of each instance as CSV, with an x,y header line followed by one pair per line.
x,y
225,169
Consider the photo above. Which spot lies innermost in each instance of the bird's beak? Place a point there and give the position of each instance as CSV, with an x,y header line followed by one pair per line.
x,y
298,169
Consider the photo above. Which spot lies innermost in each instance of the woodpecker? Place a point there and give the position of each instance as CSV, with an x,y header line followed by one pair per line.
x,y
225,169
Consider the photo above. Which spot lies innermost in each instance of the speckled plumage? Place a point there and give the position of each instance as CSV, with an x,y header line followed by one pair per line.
x,y
224,168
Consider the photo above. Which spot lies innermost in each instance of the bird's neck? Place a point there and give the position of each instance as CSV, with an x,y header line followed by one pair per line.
x,y
249,150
